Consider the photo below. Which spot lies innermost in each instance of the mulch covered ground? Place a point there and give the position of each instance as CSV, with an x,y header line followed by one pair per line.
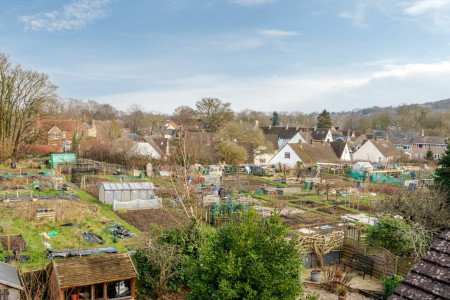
x,y
166,218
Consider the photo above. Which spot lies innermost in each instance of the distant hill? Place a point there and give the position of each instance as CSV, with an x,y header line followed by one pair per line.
x,y
436,105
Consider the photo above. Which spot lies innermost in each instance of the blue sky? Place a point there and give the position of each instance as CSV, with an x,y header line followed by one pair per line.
x,y
260,54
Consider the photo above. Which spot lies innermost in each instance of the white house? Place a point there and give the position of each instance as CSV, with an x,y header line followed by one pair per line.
x,y
306,153
376,151
286,156
322,135
341,150
146,149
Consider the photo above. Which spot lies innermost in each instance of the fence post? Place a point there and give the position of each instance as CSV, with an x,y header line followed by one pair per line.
x,y
396,265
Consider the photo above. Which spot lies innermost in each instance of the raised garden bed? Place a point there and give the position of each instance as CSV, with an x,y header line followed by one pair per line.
x,y
334,210
16,242
309,204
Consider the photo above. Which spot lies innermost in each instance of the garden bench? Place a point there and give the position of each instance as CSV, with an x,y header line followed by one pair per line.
x,y
360,262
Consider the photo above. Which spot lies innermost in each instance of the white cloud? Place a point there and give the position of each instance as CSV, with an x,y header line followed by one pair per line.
x,y
425,6
275,33
251,2
342,90
357,16
74,16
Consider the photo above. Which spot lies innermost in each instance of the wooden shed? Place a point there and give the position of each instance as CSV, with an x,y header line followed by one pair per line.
x,y
10,284
99,277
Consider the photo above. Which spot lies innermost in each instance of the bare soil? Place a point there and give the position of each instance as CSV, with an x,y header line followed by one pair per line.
x,y
334,210
143,219
305,219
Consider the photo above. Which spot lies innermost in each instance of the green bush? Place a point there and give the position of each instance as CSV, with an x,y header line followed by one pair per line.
x,y
396,236
248,258
390,283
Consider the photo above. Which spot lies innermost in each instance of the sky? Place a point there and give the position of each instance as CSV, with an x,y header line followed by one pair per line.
x,y
265,55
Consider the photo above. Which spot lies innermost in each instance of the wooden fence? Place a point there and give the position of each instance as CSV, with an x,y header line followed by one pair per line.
x,y
385,263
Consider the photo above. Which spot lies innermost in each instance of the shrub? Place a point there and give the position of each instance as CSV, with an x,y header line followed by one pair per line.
x,y
390,283
398,237
248,258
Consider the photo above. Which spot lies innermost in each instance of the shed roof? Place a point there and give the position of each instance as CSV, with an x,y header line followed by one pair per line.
x,y
117,186
9,276
430,278
92,270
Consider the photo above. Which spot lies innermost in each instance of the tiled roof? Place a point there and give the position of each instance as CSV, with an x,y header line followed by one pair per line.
x,y
338,148
429,140
430,278
312,153
319,134
386,147
282,132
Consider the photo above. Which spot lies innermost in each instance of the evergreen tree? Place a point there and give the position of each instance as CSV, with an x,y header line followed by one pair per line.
x,y
429,155
442,173
275,119
324,120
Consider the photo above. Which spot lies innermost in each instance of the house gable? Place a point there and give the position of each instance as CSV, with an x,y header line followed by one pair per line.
x,y
368,152
286,156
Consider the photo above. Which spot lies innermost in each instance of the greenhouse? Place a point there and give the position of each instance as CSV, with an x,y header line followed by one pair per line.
x,y
129,195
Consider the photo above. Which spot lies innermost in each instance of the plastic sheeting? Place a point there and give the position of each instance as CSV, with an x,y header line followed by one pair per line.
x,y
80,252
137,204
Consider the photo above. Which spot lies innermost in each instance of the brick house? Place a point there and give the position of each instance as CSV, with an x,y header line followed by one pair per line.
x,y
60,133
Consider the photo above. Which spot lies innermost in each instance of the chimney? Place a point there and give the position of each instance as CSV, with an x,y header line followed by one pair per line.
x,y
287,126
422,133
270,126
256,123
296,128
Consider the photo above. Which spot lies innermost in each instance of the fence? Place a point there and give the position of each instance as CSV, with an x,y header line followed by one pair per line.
x,y
385,263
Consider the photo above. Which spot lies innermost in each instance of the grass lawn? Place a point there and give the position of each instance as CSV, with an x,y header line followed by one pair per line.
x,y
93,216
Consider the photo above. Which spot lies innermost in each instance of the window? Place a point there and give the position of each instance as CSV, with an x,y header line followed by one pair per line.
x,y
63,134
262,160
55,135
4,294
118,289
287,155
81,292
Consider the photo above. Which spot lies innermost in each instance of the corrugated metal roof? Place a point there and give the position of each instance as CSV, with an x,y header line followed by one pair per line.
x,y
116,186
9,276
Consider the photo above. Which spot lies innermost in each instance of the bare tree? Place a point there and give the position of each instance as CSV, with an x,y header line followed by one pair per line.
x,y
23,95
184,115
135,119
35,284
212,113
